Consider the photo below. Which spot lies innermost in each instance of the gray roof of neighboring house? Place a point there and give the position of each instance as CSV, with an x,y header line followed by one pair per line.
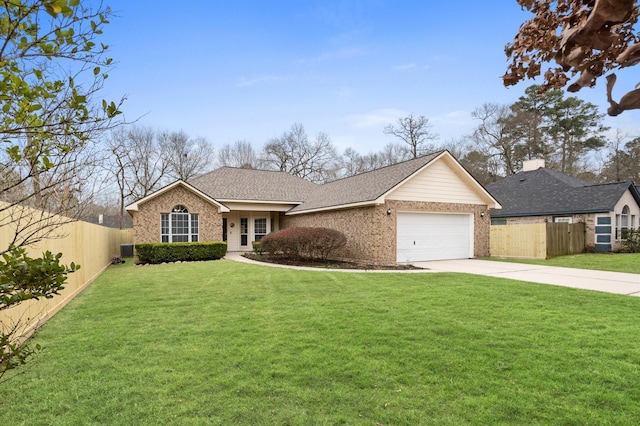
x,y
546,192
228,183
364,187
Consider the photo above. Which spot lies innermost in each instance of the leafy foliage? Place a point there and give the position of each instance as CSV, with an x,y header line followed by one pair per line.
x,y
51,66
25,278
631,240
304,243
560,130
583,37
184,252
257,247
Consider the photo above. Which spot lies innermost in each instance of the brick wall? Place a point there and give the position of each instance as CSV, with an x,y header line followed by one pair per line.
x,y
371,233
146,221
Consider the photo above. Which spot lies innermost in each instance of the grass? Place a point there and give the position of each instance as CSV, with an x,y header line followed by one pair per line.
x,y
616,262
220,343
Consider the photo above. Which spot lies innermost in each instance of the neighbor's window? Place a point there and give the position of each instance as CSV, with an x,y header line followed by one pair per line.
x,y
563,219
623,222
179,226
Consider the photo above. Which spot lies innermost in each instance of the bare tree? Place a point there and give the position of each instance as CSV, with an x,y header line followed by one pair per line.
x,y
393,153
414,131
623,162
187,157
293,153
118,164
584,37
353,163
241,154
494,140
138,163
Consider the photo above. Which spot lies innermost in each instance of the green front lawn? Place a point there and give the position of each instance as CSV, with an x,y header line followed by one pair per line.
x,y
222,343
616,262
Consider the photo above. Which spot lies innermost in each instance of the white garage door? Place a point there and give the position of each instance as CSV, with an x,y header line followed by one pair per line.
x,y
434,236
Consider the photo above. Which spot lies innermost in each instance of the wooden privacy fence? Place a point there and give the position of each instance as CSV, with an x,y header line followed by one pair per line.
x,y
537,240
89,245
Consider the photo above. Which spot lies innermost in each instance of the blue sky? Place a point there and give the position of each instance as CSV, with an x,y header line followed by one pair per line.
x,y
248,70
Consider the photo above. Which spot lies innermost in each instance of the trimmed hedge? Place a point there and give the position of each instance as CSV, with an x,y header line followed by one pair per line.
x,y
184,252
303,243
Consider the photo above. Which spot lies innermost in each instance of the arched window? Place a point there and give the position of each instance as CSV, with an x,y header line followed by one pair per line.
x,y
623,222
624,217
179,226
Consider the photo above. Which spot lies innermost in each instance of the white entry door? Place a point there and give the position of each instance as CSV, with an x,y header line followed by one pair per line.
x,y
434,236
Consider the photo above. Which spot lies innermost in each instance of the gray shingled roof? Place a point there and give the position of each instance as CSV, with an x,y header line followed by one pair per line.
x,y
546,192
228,183
365,187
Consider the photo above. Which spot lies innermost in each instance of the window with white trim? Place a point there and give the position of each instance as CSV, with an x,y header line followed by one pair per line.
x,y
259,228
623,223
179,226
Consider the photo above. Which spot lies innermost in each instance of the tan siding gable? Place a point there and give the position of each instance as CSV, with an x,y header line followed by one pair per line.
x,y
437,183
628,200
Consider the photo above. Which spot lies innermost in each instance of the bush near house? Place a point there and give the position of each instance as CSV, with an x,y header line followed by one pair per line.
x,y
304,243
630,241
185,252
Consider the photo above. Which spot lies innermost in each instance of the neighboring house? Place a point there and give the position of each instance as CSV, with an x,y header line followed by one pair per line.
x,y
538,195
423,209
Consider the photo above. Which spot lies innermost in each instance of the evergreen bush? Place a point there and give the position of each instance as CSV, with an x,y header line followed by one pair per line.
x,y
184,252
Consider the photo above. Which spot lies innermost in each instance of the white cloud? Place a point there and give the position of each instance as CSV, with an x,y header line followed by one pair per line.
x,y
452,117
453,124
377,118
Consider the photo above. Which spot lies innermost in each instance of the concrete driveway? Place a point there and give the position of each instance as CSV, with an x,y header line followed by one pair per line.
x,y
610,282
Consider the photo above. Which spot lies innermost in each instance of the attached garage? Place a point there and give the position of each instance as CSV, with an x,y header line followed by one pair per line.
x,y
434,236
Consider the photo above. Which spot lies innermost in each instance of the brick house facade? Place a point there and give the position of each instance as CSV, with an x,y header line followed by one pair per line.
x,y
415,197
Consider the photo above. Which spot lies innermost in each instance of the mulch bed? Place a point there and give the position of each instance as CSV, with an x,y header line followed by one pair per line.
x,y
329,264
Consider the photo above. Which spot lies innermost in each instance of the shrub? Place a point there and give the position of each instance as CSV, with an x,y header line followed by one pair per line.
x,y
631,240
257,247
303,242
185,252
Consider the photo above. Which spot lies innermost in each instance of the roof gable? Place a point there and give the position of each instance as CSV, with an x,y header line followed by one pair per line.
x,y
179,183
440,182
374,186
